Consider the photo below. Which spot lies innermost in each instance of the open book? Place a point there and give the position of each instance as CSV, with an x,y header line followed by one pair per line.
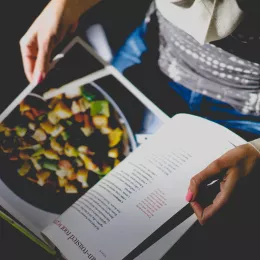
x,y
91,167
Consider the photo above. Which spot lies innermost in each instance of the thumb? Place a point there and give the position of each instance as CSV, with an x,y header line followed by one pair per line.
x,y
42,62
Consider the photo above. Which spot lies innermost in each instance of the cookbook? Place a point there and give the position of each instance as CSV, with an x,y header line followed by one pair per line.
x,y
91,167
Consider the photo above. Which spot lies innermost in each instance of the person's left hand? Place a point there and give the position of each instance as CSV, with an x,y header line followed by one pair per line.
x,y
237,163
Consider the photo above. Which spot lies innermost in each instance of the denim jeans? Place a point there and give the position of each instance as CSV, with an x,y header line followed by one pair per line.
x,y
247,126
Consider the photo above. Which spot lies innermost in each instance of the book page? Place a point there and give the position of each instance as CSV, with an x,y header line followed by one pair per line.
x,y
142,193
58,139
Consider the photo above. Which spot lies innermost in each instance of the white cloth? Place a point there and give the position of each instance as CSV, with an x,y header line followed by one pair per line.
x,y
204,20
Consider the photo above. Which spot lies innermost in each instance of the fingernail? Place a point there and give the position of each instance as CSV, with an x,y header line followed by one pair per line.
x,y
38,78
189,196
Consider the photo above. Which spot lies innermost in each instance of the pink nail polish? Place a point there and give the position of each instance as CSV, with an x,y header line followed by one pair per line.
x,y
189,196
38,78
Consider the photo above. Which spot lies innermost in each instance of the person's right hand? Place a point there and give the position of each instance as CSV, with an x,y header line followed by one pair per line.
x,y
57,19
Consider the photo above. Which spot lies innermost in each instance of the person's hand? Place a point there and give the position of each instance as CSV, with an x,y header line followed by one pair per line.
x,y
59,18
236,163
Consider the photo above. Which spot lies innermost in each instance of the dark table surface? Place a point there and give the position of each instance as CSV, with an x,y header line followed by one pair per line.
x,y
232,234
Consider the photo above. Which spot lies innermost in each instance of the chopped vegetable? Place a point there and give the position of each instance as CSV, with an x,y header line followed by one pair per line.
x,y
100,121
72,176
37,112
65,164
106,170
83,104
21,131
100,107
116,162
47,127
53,117
79,118
79,162
29,115
39,135
113,153
105,130
51,154
2,128
24,169
8,132
35,147
32,126
38,152
87,131
65,136
115,137
87,95
70,188
70,151
14,158
57,130
82,176
83,149
62,111
24,156
36,164
62,182
89,165
50,165
42,177
75,108
56,146
24,107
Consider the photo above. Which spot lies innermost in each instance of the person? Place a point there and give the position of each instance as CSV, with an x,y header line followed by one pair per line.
x,y
210,52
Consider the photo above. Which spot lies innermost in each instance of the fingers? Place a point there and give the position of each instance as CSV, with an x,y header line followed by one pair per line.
x,y
29,49
226,189
212,170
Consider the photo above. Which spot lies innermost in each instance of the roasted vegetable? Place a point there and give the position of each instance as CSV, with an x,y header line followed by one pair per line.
x,y
99,107
100,121
20,131
39,152
39,135
82,177
62,111
50,165
65,136
83,149
62,182
70,188
113,153
24,107
35,162
115,137
89,165
32,126
53,117
42,177
75,108
70,151
83,104
26,166
51,154
56,146
24,156
87,95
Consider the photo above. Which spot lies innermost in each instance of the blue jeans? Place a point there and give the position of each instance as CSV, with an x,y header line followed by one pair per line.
x,y
247,126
